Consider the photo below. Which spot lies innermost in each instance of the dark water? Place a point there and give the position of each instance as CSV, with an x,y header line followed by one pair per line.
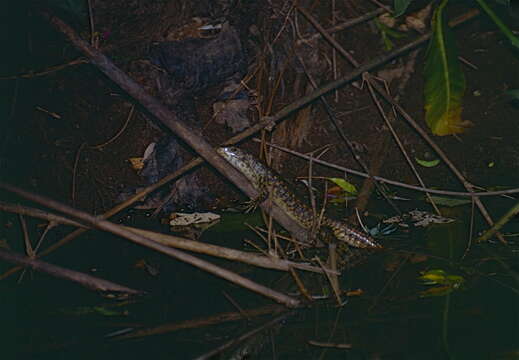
x,y
45,318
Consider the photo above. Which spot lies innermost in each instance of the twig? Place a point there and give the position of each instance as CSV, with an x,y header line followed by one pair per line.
x,y
91,22
334,280
227,253
514,210
396,138
85,280
327,36
440,153
344,25
471,230
325,89
336,291
329,345
74,173
300,285
48,227
27,242
121,130
334,51
37,213
344,53
177,242
393,182
141,240
50,113
46,71
341,133
236,305
382,6
468,63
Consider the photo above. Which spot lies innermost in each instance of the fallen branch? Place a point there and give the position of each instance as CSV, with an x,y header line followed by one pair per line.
x,y
178,242
141,240
229,254
179,128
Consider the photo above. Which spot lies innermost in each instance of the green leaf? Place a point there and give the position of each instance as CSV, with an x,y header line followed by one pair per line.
x,y
344,185
426,163
401,6
443,282
433,277
440,277
445,82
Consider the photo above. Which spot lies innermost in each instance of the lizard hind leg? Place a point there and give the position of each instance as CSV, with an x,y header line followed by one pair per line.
x,y
252,204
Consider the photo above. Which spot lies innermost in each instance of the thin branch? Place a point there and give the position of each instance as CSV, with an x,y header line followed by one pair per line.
x,y
178,242
327,36
393,182
121,130
74,173
397,139
343,136
514,210
46,71
370,65
141,240
227,253
440,153
344,25
39,214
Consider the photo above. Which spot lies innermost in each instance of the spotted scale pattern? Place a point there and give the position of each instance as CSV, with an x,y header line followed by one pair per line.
x,y
266,182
